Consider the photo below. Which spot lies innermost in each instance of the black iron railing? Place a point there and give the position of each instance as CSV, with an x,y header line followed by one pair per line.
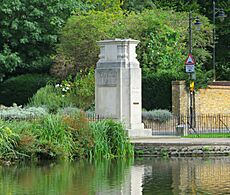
x,y
204,125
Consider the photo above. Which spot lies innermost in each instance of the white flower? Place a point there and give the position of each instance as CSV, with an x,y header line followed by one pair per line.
x,y
67,88
57,85
63,95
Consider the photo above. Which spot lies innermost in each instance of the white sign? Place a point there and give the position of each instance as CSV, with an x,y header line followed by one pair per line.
x,y
190,68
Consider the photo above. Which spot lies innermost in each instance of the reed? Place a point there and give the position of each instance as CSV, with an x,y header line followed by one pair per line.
x,y
8,141
53,139
111,140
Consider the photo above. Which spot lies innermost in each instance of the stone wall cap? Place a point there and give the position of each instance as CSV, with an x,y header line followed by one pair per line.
x,y
178,82
219,83
118,40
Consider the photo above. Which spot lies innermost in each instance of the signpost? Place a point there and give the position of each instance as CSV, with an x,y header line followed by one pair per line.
x,y
190,68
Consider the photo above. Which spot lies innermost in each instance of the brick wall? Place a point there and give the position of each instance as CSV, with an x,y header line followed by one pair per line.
x,y
215,99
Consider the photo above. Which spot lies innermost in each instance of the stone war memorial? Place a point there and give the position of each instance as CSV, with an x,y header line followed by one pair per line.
x,y
118,85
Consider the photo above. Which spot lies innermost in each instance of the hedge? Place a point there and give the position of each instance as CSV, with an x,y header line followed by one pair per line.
x,y
20,88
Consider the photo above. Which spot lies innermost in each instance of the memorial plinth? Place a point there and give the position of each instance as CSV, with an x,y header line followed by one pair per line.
x,y
118,84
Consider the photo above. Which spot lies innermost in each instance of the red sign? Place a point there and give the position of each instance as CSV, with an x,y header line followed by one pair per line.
x,y
190,60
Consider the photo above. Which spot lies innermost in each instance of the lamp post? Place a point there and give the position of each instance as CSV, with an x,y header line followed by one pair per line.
x,y
221,15
192,112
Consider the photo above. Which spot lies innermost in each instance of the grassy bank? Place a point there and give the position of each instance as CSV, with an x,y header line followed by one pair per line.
x,y
62,136
209,135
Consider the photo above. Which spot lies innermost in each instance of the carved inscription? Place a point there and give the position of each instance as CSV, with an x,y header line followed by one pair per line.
x,y
106,77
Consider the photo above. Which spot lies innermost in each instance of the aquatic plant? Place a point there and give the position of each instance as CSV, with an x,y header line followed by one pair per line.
x,y
111,140
53,139
78,126
8,142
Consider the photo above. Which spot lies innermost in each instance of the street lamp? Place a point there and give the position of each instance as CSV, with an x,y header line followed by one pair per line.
x,y
197,23
219,13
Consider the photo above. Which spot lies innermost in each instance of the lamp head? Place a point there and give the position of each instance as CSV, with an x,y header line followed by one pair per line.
x,y
197,23
221,15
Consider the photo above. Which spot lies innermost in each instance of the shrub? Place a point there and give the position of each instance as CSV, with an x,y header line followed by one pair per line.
x,y
111,140
9,113
157,115
50,97
78,92
20,88
82,92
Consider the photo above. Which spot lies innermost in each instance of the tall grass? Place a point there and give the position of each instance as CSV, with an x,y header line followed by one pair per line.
x,y
64,136
82,137
54,140
111,140
8,142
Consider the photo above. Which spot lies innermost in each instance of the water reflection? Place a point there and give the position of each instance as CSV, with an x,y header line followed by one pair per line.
x,y
147,176
187,176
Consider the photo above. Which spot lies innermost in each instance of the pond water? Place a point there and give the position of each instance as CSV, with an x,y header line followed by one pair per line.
x,y
148,176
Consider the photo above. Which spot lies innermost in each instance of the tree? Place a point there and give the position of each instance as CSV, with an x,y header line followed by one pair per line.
x,y
29,31
202,7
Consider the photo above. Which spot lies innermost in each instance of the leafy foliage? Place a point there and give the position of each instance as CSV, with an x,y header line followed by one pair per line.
x,y
29,32
82,137
77,92
163,36
50,97
202,7
8,60
101,5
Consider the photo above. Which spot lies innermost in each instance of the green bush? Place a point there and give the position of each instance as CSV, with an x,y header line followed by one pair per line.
x,y
77,92
50,97
20,88
68,111
82,91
